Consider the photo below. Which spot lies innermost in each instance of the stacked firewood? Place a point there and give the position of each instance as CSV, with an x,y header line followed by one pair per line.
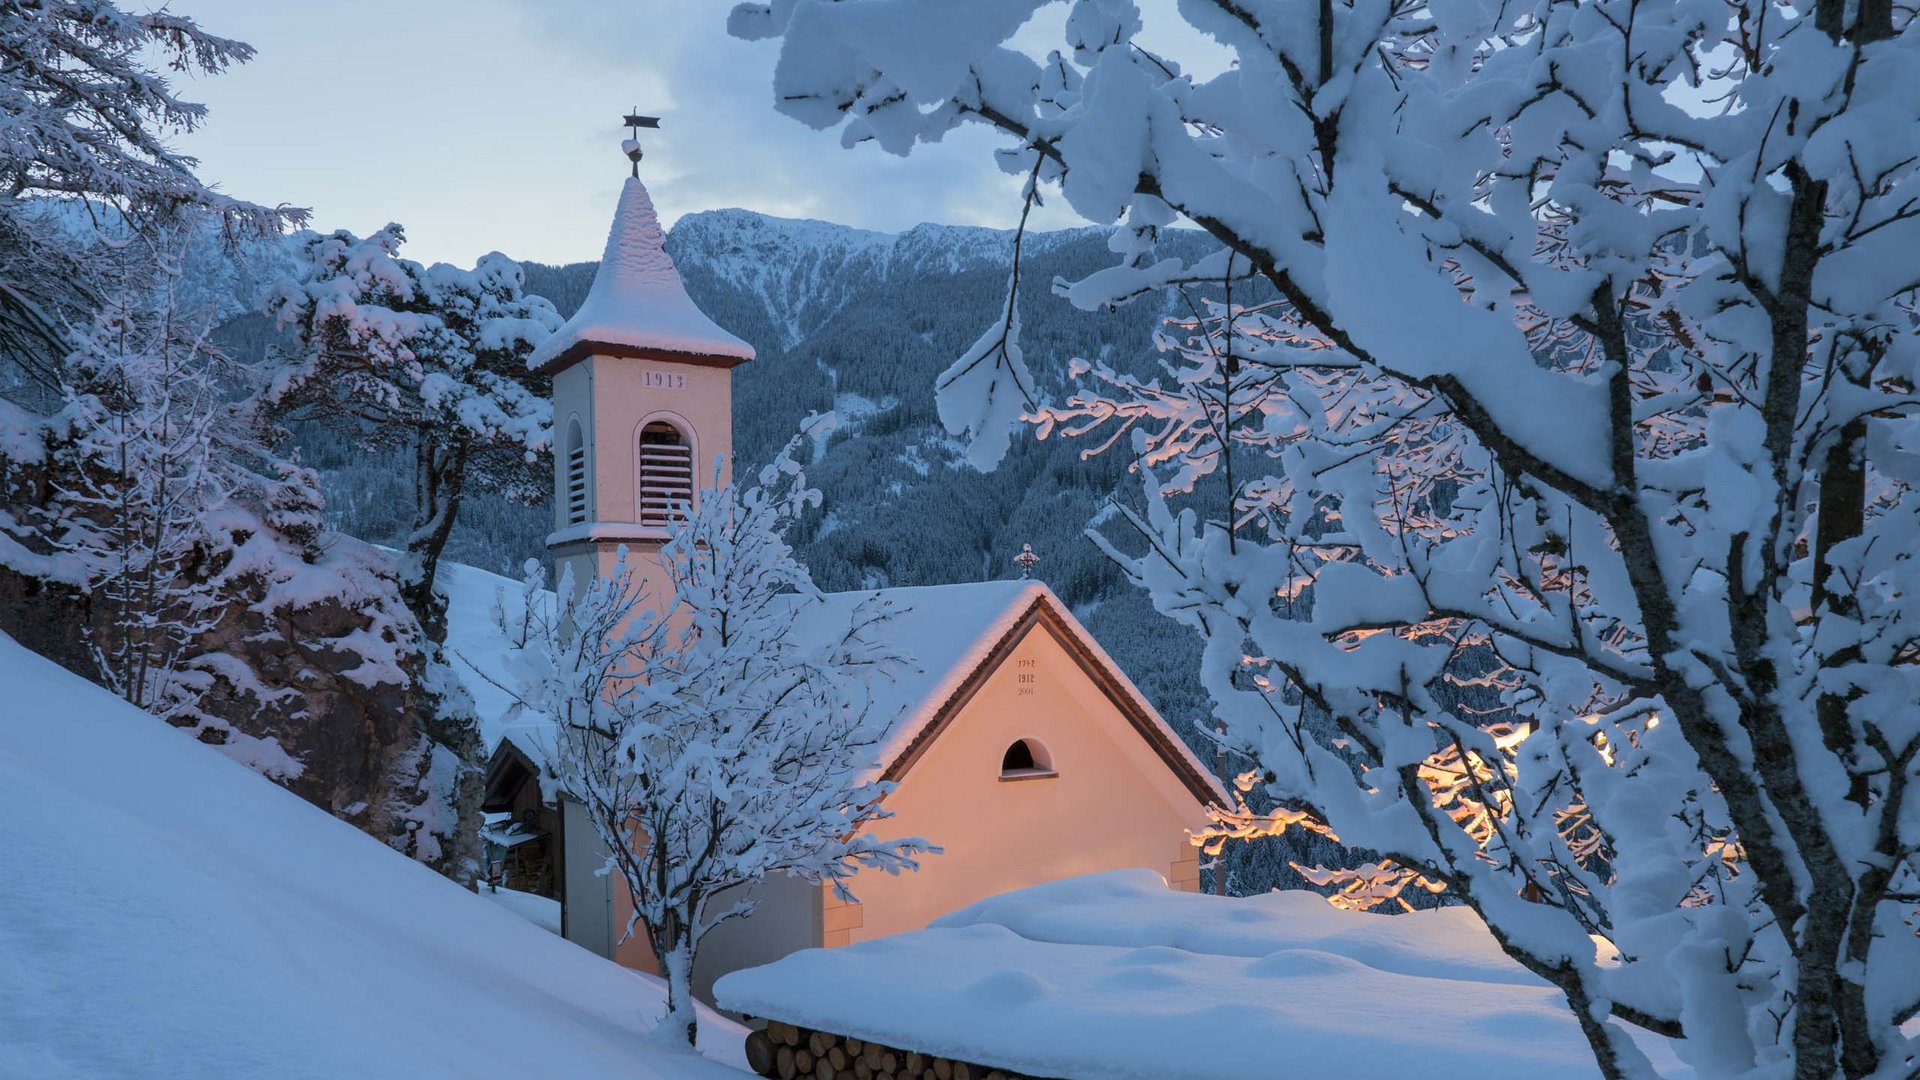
x,y
797,1053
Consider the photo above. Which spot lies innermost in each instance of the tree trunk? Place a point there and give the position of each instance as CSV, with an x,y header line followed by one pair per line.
x,y
673,948
1842,517
440,479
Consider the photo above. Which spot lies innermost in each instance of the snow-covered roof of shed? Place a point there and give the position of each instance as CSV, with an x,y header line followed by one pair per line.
x,y
1117,976
637,300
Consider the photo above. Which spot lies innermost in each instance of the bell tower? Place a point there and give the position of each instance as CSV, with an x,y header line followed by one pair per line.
x,y
642,399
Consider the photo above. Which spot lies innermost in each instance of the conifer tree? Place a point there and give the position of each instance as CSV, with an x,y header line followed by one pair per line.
x,y
86,104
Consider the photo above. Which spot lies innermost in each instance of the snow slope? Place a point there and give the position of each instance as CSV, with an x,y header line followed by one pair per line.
x,y
802,271
165,912
1117,977
541,911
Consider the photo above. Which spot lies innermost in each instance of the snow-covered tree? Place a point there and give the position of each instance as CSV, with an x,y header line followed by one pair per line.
x,y
140,469
423,360
722,734
86,106
429,362
1567,556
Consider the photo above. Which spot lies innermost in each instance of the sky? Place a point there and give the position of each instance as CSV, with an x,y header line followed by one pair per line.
x,y
485,125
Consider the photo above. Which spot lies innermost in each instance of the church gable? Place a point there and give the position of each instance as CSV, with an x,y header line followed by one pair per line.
x,y
1043,653
961,638
1036,764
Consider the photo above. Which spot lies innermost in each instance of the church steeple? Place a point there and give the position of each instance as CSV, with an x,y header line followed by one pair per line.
x,y
642,398
637,303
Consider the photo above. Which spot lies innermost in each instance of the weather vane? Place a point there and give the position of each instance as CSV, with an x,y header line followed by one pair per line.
x,y
631,146
1026,559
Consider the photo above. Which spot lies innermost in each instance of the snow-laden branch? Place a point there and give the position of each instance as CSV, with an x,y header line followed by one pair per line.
x,y
1568,453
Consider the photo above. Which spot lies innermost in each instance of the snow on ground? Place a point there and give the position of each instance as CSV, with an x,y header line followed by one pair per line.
x,y
168,913
1115,976
480,650
1135,909
541,911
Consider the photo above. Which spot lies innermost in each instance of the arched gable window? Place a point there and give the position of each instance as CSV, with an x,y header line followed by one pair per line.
x,y
1026,759
666,473
576,474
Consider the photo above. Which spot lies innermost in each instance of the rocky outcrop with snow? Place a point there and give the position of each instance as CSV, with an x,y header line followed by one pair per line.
x,y
309,668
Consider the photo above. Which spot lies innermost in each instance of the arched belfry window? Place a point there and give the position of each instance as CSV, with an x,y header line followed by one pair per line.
x,y
1026,759
666,473
576,474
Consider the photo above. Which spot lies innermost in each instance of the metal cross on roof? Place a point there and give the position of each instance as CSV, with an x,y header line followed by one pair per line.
x,y
1026,559
634,122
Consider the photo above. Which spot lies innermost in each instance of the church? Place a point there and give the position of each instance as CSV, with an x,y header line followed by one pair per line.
x,y
1018,745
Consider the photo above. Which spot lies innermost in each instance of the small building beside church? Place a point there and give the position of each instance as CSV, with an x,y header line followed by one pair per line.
x,y
1017,744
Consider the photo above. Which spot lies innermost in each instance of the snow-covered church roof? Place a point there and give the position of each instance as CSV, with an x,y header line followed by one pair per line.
x,y
637,302
956,634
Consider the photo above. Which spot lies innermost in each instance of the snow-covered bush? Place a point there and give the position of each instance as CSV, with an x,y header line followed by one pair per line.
x,y
712,741
1587,381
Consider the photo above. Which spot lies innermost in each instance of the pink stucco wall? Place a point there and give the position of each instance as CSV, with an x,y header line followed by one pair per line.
x,y
1112,804
697,398
613,397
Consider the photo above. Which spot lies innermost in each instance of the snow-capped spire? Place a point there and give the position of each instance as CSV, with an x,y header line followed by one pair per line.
x,y
637,301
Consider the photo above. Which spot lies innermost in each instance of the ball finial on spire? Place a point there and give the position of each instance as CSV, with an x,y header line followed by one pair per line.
x,y
1026,559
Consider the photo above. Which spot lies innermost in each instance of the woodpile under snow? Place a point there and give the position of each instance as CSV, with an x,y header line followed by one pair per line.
x,y
789,1052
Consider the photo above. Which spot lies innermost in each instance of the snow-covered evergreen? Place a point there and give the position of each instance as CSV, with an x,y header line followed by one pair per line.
x,y
87,106
141,469
426,361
